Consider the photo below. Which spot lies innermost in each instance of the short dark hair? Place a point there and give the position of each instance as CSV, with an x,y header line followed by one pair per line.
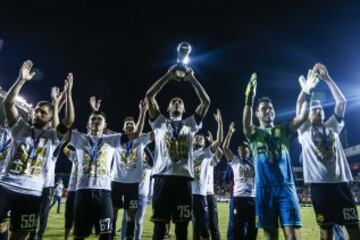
x,y
98,113
261,100
128,119
47,104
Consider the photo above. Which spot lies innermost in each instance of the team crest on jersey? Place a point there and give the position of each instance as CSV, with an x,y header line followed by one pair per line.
x,y
320,218
129,160
325,149
176,148
96,167
23,165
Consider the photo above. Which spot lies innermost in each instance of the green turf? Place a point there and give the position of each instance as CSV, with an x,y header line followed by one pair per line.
x,y
309,231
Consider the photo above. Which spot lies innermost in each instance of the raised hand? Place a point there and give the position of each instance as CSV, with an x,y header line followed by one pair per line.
x,y
218,117
25,71
232,127
189,74
250,92
322,71
143,106
95,103
308,85
210,137
69,81
56,95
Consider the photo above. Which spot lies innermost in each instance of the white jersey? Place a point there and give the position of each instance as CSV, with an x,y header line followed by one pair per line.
x,y
27,163
59,190
145,183
244,178
210,181
174,146
49,180
202,160
94,167
128,160
5,143
323,156
71,155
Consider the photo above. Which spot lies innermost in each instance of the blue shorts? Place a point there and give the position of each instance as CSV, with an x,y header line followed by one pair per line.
x,y
277,203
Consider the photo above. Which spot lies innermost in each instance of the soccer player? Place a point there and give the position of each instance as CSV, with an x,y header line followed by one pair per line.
x,y
145,192
276,197
210,197
202,160
71,191
173,160
127,169
94,155
5,140
32,148
325,165
243,189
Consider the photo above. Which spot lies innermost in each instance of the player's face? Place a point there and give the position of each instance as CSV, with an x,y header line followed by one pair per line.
x,y
129,127
265,112
243,151
41,116
316,115
176,107
97,123
199,141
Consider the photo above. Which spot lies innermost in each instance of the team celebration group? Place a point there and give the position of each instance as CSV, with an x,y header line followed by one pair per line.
x,y
112,170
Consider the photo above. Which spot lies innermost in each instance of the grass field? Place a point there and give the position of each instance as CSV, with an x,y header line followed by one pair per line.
x,y
309,231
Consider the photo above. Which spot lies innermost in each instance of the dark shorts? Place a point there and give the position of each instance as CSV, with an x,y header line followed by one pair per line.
x,y
172,199
333,204
125,195
93,208
69,210
200,217
24,209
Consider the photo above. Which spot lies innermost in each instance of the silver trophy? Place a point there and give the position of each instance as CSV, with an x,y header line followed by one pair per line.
x,y
184,50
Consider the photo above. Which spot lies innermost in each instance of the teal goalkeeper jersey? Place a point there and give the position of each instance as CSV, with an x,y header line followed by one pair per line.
x,y
270,150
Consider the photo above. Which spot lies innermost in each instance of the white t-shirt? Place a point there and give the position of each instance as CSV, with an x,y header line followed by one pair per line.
x,y
145,183
174,155
94,172
244,178
202,159
128,160
323,157
27,163
210,181
49,180
71,155
5,143
59,190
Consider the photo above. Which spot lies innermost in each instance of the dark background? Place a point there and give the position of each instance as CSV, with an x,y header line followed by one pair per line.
x,y
117,50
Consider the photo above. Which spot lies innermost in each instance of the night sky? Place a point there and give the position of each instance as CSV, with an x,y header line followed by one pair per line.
x,y
117,51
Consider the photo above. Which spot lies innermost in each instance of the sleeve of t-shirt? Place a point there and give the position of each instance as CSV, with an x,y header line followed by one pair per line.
x,y
144,138
333,123
193,124
158,122
208,153
303,128
251,136
115,140
20,127
76,139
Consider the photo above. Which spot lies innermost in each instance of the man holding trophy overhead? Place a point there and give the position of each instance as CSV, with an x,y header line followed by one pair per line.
x,y
173,160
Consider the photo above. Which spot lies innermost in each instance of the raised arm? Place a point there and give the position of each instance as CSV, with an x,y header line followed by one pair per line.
x,y
340,100
302,104
220,132
69,118
25,75
151,94
94,103
141,119
204,105
57,99
226,145
250,94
